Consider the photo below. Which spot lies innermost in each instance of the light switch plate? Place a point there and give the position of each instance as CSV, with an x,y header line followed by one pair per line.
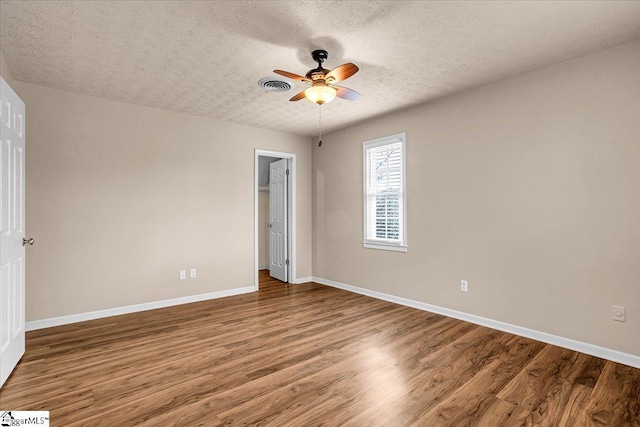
x,y
619,313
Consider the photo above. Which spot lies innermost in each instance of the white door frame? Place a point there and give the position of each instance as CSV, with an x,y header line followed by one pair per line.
x,y
291,213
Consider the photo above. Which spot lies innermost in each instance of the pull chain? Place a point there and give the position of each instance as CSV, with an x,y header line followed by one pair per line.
x,y
320,124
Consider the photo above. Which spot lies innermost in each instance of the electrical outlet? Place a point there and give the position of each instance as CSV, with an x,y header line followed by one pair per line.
x,y
463,285
619,313
183,274
192,273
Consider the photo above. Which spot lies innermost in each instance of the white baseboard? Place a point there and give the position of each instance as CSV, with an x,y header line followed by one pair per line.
x,y
582,347
81,317
303,280
263,267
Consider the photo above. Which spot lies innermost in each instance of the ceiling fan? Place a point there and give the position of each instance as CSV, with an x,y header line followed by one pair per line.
x,y
322,81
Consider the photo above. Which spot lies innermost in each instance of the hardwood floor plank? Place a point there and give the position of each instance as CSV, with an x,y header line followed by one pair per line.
x,y
584,370
310,355
549,410
436,376
402,353
504,414
475,400
619,380
615,400
467,403
278,380
574,411
542,375
307,348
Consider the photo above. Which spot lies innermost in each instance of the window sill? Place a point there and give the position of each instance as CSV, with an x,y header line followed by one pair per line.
x,y
385,247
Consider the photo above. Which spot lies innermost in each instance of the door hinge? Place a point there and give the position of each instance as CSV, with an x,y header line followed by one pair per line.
x,y
287,262
287,172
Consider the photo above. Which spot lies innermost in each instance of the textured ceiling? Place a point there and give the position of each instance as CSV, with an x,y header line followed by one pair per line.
x,y
205,58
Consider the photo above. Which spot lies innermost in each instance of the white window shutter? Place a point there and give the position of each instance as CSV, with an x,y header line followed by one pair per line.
x,y
384,193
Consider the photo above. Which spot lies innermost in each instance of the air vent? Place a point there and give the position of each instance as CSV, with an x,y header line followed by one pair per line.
x,y
271,84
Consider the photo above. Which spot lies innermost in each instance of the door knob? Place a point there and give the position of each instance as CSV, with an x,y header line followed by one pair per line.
x,y
269,225
26,242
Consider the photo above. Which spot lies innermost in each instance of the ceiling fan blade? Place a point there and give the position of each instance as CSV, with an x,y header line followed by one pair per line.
x,y
297,97
346,93
341,72
292,76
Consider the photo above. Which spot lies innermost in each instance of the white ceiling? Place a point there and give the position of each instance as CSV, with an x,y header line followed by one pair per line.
x,y
205,58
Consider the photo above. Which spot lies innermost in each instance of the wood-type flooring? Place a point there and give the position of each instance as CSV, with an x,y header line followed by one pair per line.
x,y
310,355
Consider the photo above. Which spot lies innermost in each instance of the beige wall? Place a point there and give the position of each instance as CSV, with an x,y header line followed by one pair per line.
x,y
121,197
528,188
5,73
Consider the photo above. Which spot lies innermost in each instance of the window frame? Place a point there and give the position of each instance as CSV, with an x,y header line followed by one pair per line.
x,y
376,243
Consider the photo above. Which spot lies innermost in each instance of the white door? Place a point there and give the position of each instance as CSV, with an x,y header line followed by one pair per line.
x,y
278,219
12,152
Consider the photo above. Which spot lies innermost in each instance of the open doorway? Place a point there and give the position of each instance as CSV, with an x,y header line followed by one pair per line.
x,y
274,216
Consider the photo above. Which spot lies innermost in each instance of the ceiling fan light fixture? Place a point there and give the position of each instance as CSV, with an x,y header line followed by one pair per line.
x,y
320,94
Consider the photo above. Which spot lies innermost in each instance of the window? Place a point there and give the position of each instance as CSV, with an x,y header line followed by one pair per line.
x,y
385,224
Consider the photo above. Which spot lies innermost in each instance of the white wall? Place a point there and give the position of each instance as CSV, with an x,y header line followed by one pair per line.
x,y
528,188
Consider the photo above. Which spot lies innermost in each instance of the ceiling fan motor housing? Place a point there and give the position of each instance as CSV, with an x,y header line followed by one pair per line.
x,y
319,55
317,74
